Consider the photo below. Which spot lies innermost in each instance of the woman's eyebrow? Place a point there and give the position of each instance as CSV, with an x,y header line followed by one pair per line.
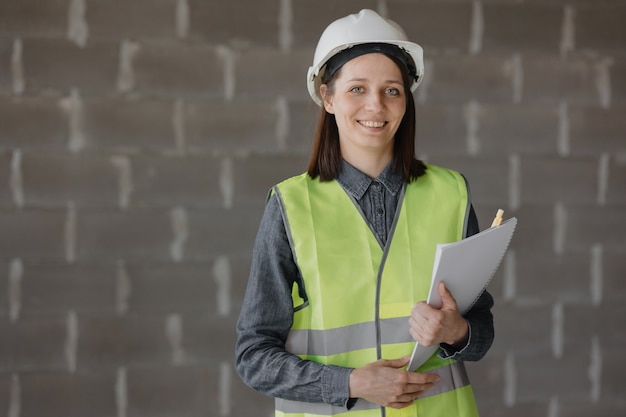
x,y
367,79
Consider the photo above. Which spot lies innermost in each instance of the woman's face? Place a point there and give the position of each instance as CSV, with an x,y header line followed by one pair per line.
x,y
368,100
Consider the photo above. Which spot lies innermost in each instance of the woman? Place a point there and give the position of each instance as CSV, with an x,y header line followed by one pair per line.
x,y
343,258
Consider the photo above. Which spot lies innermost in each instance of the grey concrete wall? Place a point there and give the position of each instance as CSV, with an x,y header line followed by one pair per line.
x,y
138,139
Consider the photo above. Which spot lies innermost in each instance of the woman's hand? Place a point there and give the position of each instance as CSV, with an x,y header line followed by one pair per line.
x,y
385,383
430,326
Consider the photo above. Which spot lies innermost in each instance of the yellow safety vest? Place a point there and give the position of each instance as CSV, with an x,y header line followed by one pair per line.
x,y
359,294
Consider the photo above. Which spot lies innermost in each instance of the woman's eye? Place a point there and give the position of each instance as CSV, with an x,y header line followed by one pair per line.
x,y
356,90
393,91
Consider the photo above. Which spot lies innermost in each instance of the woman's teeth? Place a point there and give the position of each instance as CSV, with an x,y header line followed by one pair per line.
x,y
372,124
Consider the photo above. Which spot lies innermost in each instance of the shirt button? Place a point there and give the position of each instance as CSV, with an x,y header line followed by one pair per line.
x,y
379,211
376,185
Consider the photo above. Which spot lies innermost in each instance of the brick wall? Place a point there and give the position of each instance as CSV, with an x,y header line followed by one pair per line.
x,y
138,140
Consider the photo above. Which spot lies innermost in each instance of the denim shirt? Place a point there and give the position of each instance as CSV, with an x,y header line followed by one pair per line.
x,y
267,311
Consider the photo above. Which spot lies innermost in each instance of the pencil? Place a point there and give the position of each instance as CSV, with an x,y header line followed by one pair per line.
x,y
498,219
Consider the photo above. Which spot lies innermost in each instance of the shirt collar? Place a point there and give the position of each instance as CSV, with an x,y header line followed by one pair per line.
x,y
356,183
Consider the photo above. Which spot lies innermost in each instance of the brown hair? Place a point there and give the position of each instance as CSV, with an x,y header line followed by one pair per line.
x,y
325,161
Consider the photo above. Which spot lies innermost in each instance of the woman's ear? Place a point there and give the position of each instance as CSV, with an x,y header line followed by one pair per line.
x,y
327,99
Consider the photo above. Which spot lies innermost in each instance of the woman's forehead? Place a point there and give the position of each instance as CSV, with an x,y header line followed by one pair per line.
x,y
371,66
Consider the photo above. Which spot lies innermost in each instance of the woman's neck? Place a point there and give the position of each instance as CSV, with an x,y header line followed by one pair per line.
x,y
370,163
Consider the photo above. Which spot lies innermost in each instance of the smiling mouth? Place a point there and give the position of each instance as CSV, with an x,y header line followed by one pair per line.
x,y
368,123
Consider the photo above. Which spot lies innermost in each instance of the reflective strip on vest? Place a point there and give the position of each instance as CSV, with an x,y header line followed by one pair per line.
x,y
346,339
453,376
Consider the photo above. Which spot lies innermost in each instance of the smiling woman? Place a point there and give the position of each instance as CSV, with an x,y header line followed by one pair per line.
x,y
368,100
404,69
343,257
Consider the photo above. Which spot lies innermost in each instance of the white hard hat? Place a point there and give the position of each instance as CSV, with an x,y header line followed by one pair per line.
x,y
365,27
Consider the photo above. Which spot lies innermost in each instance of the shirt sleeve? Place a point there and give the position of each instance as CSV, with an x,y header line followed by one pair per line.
x,y
479,319
264,322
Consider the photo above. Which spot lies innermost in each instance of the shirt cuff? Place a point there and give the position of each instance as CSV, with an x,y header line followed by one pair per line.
x,y
336,385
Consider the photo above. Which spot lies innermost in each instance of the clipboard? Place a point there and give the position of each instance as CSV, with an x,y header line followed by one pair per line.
x,y
466,267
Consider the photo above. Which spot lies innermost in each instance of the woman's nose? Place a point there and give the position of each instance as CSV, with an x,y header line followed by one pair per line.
x,y
374,101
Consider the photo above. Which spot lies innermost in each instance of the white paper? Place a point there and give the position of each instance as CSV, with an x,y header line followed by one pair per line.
x,y
466,267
